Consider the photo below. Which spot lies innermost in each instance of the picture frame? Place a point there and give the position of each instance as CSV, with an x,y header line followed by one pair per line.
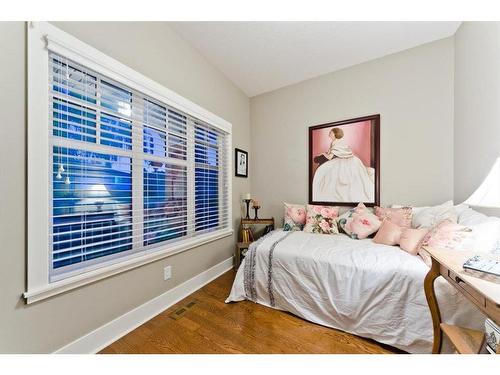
x,y
344,165
240,163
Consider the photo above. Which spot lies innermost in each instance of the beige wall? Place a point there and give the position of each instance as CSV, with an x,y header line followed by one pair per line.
x,y
413,92
154,50
477,104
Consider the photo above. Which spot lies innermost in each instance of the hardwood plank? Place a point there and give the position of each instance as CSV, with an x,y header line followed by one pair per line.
x,y
202,323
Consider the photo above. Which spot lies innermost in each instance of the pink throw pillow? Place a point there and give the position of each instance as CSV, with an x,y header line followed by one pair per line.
x,y
388,234
321,219
446,234
410,239
359,222
399,216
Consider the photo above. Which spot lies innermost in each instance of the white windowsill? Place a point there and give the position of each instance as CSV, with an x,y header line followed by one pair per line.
x,y
135,261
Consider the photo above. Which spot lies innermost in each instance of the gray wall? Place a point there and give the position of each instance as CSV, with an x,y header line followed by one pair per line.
x,y
477,104
157,52
413,92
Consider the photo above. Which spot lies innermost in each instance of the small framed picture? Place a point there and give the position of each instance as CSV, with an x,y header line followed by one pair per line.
x,y
240,163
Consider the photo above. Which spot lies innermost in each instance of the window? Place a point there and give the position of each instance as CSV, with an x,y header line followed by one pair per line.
x,y
120,166
134,171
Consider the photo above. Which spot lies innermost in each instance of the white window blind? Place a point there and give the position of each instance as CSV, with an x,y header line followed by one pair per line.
x,y
129,173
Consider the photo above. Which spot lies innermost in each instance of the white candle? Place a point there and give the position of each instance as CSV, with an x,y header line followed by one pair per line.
x,y
248,196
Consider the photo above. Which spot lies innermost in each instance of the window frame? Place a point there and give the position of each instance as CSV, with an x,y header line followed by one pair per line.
x,y
43,36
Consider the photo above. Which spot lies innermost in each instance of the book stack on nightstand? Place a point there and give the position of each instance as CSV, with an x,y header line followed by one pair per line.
x,y
246,237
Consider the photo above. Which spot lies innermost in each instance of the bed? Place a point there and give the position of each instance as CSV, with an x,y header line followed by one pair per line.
x,y
357,286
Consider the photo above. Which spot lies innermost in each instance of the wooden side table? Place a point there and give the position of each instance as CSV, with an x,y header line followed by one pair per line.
x,y
482,293
240,251
242,247
267,222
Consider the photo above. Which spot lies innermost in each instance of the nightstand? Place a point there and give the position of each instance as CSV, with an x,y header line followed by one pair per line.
x,y
484,294
240,250
242,247
269,223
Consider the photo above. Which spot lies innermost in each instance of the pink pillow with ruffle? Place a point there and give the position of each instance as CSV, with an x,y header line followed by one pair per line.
x,y
388,234
399,216
321,219
446,234
359,222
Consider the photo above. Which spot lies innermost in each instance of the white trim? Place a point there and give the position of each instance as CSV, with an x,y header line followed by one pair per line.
x,y
229,180
74,49
41,37
38,161
124,264
119,327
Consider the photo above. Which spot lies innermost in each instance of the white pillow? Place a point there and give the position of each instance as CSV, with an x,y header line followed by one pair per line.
x,y
485,236
485,230
418,209
460,208
428,216
470,217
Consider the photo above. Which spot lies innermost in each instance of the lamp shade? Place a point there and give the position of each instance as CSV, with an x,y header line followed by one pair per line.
x,y
98,191
488,193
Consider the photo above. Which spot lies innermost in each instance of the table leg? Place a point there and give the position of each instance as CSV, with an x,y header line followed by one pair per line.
x,y
430,295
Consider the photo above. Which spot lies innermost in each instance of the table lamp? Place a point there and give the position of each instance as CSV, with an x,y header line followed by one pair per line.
x,y
99,191
487,195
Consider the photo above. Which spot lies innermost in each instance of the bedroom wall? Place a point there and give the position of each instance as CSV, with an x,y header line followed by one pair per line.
x,y
413,92
477,109
157,52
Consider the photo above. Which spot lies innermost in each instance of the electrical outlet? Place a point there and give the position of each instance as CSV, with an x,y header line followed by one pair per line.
x,y
167,272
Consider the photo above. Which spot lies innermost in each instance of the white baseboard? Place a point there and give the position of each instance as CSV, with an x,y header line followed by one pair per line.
x,y
110,332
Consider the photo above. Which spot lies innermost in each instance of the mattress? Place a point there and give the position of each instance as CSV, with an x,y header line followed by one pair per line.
x,y
357,286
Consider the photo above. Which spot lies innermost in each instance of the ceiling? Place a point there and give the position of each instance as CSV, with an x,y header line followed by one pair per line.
x,y
264,56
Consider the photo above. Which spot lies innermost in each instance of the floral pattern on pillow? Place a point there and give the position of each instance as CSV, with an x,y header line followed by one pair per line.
x,y
399,216
448,235
321,219
359,222
295,217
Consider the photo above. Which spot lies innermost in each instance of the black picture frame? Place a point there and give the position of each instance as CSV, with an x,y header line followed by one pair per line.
x,y
375,158
237,159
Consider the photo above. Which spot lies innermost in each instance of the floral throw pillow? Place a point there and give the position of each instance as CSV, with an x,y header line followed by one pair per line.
x,y
295,216
399,216
321,219
447,234
359,222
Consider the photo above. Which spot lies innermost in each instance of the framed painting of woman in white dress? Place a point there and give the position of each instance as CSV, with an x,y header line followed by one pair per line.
x,y
344,162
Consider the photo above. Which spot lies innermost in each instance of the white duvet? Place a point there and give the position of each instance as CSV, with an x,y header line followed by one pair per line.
x,y
357,286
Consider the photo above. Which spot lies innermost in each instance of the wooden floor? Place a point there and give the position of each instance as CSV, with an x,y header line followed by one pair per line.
x,y
203,323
